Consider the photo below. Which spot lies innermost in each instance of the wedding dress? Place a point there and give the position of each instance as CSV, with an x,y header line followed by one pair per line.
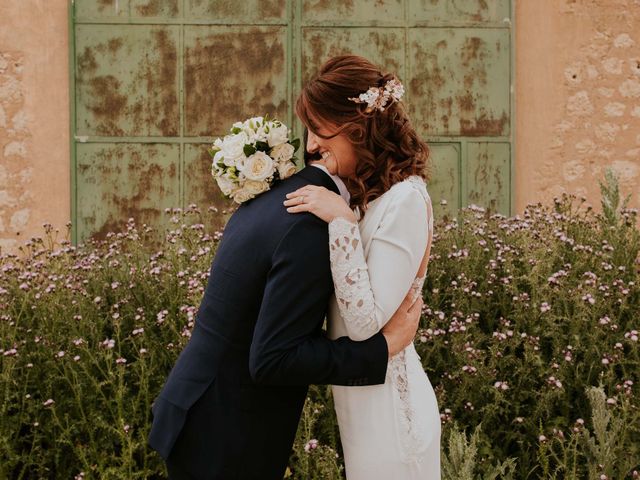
x,y
388,431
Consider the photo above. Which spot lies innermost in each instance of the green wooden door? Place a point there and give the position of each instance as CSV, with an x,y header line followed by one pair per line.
x,y
153,81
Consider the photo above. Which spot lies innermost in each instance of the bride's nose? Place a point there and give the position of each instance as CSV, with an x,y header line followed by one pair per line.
x,y
312,143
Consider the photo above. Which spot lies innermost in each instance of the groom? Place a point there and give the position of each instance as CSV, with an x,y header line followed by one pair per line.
x,y
231,404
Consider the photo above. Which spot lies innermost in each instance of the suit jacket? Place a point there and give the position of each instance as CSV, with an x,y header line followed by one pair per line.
x,y
231,404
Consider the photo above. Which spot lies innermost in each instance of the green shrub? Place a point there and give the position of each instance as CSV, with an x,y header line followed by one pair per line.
x,y
89,335
523,316
530,330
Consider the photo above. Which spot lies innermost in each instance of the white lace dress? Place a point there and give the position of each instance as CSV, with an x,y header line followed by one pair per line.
x,y
389,431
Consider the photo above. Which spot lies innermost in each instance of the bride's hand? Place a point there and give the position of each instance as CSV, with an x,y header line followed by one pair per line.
x,y
320,201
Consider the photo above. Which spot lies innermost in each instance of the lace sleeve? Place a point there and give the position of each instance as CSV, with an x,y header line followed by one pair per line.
x,y
351,279
369,291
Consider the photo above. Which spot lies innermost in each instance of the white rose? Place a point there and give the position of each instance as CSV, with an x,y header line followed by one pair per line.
x,y
282,152
240,163
216,171
255,121
251,127
258,166
242,196
226,186
218,157
277,135
255,188
259,135
286,169
233,148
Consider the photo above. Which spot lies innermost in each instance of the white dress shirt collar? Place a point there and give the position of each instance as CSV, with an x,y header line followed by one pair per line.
x,y
344,193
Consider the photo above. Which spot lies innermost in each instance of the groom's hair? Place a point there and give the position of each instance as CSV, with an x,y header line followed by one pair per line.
x,y
308,156
386,144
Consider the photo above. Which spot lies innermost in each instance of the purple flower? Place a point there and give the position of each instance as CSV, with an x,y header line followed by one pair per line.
x,y
311,445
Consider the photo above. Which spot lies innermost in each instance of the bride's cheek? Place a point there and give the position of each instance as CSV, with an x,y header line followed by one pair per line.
x,y
332,165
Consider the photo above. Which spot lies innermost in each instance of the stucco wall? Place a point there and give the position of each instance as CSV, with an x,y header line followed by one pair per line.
x,y
34,119
577,106
577,97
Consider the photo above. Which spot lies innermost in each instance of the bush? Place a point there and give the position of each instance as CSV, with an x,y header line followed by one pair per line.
x,y
529,337
524,316
89,335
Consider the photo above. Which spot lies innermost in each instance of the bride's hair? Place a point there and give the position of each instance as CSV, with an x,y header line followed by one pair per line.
x,y
388,147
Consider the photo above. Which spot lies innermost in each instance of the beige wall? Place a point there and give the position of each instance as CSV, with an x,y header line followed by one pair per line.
x,y
34,119
577,103
577,97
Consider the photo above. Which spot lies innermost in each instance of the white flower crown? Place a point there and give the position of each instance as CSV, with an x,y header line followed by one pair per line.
x,y
378,97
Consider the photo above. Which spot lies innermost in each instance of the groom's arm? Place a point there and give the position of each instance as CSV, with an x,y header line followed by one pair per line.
x,y
288,346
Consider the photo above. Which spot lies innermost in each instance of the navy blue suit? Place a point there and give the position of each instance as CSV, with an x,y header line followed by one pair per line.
x,y
231,404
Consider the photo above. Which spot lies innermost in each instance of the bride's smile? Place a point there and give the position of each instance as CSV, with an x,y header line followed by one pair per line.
x,y
338,153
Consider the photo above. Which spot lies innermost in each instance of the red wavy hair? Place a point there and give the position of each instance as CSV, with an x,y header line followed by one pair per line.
x,y
388,147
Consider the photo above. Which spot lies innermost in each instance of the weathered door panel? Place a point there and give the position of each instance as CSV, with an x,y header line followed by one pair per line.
x,y
198,188
231,73
384,46
154,81
128,8
488,170
127,80
246,11
119,181
362,11
444,187
462,77
460,11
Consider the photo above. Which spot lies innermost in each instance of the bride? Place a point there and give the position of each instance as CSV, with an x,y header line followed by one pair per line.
x,y
359,128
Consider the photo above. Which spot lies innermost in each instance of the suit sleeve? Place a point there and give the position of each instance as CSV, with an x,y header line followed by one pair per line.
x,y
289,346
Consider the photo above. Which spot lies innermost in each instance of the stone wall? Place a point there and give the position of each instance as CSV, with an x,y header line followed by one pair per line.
x,y
34,119
15,174
577,97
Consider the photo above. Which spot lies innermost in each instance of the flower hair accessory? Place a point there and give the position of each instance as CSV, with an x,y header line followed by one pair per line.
x,y
379,97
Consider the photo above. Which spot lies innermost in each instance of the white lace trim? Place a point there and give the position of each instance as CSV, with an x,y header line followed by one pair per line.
x,y
356,304
411,443
351,276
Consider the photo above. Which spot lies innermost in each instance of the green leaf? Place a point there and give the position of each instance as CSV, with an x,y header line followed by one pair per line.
x,y
296,144
249,150
236,130
262,146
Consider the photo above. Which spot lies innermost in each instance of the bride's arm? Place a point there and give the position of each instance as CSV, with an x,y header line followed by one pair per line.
x,y
369,292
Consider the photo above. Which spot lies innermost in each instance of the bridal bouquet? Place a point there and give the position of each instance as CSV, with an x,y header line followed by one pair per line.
x,y
255,154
